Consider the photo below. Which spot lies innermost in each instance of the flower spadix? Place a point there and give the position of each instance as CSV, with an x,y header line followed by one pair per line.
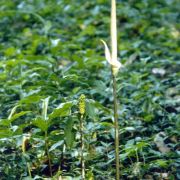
x,y
111,57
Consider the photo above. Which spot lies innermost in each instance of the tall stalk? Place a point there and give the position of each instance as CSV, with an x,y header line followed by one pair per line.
x,y
47,153
115,66
82,113
82,148
116,127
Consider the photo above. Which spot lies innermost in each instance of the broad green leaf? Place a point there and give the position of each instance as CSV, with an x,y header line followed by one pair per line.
x,y
63,110
90,109
4,122
41,123
31,99
69,134
5,133
17,115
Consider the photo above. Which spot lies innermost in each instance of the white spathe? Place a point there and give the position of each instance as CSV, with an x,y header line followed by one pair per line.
x,y
114,63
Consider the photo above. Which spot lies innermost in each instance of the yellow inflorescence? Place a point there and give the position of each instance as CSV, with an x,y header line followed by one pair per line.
x,y
82,104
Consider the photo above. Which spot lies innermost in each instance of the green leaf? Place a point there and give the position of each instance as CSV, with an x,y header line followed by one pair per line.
x,y
90,109
5,133
16,116
63,110
161,162
31,99
69,134
148,117
4,122
107,124
56,145
41,124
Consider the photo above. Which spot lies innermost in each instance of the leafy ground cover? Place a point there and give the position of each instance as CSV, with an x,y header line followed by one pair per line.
x,y
50,54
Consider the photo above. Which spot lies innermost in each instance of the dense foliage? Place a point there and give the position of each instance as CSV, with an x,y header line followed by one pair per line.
x,y
50,54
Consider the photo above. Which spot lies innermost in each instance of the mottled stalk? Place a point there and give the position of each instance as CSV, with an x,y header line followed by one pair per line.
x,y
82,148
116,127
47,153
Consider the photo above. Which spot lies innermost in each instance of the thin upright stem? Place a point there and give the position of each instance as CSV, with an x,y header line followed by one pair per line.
x,y
27,164
116,127
82,149
24,142
48,155
29,170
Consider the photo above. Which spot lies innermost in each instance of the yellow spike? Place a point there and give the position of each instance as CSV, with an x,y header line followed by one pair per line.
x,y
82,104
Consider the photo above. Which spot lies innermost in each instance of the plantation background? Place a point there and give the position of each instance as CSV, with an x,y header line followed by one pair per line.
x,y
52,48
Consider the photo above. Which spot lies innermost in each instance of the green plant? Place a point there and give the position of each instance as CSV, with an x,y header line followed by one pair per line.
x,y
43,123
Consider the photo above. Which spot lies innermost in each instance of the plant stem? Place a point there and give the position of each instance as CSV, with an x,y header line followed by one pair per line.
x,y
48,155
82,148
27,164
116,127
29,170
24,155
